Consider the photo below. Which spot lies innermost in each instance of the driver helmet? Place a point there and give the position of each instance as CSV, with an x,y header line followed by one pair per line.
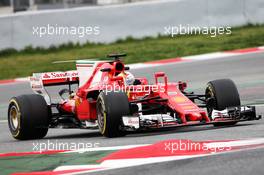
x,y
129,78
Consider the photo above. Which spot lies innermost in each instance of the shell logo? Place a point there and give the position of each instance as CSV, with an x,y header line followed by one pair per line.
x,y
180,99
188,107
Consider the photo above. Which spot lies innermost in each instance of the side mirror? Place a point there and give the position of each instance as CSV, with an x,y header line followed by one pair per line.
x,y
106,70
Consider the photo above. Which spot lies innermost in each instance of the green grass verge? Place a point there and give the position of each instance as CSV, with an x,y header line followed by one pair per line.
x,y
43,162
19,64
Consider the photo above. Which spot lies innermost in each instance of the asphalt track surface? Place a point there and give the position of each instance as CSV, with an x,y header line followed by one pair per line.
x,y
248,73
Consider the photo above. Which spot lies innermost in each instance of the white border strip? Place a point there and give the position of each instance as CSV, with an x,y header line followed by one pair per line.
x,y
122,163
105,148
137,162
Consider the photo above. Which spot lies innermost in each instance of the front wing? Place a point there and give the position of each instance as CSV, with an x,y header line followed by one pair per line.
x,y
231,114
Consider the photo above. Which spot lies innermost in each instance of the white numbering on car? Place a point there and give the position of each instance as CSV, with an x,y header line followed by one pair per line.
x,y
131,121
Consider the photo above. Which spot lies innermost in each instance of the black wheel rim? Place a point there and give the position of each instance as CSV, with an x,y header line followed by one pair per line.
x,y
100,116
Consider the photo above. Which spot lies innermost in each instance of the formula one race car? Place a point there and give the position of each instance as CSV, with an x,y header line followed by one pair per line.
x,y
110,98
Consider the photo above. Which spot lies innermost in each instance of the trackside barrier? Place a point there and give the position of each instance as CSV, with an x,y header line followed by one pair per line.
x,y
113,22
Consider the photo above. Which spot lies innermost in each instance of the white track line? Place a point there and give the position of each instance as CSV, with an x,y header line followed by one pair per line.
x,y
122,163
105,148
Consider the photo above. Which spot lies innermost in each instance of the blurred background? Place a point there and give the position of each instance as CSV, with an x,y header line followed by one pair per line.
x,y
116,19
10,6
34,33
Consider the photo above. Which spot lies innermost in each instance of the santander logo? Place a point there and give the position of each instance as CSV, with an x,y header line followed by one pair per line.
x,y
46,76
56,75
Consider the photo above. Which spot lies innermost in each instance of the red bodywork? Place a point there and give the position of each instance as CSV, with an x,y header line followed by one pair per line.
x,y
85,107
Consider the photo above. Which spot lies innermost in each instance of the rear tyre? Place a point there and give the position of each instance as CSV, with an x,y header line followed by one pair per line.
x,y
28,117
221,94
110,108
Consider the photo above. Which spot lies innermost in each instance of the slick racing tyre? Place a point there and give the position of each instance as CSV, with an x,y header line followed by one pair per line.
x,y
110,108
221,94
28,117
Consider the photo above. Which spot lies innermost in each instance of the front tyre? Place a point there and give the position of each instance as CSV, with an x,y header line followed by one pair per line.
x,y
28,117
221,94
110,108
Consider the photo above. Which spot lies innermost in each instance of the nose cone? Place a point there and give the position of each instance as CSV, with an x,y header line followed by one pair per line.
x,y
195,116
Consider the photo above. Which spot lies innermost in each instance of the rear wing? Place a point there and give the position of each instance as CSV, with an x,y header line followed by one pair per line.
x,y
39,81
85,69
55,78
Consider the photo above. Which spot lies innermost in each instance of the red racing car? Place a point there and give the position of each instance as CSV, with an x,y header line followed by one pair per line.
x,y
110,98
